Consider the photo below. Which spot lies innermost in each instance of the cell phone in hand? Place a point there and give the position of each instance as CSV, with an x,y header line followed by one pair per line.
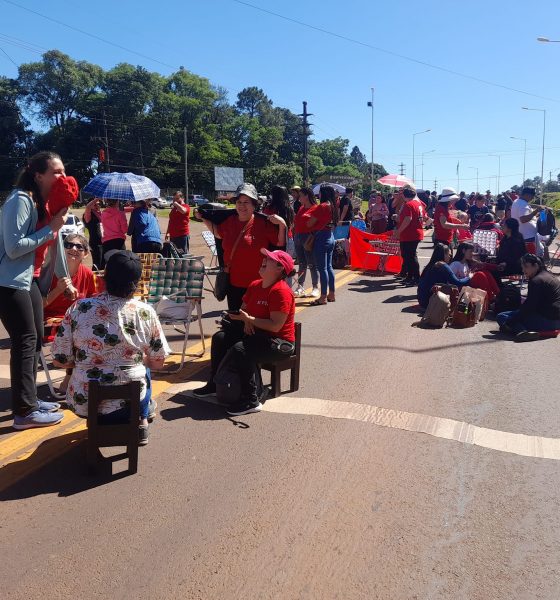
x,y
233,312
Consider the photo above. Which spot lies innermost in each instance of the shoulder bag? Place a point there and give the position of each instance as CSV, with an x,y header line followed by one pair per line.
x,y
222,278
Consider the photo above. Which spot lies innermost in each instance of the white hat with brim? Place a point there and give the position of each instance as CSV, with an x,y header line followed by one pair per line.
x,y
448,195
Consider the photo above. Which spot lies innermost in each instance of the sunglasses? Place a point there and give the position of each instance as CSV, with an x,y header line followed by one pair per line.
x,y
70,245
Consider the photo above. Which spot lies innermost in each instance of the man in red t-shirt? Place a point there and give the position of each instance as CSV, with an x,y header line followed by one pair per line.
x,y
410,233
179,218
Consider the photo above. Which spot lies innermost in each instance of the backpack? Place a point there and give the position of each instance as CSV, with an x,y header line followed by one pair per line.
x,y
339,257
228,382
509,298
437,313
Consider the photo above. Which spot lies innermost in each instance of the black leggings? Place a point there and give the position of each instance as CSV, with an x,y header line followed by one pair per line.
x,y
21,313
245,351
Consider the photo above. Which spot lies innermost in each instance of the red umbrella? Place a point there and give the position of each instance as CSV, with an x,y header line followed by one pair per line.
x,y
397,181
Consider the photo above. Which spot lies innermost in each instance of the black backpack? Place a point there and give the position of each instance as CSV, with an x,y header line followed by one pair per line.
x,y
228,383
339,256
509,298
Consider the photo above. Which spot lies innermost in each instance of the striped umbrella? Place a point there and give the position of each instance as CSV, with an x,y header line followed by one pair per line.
x,y
396,181
122,186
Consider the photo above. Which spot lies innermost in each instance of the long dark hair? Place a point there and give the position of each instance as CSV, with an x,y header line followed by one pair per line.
x,y
513,224
438,255
533,259
308,193
38,163
280,204
461,249
326,194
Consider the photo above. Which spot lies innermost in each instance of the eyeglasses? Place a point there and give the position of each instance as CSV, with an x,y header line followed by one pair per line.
x,y
70,245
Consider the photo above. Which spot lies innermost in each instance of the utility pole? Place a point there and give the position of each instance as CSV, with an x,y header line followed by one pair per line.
x,y
371,105
107,161
306,134
141,156
435,185
402,167
186,165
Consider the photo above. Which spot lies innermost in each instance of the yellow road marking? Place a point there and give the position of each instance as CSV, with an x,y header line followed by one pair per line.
x,y
21,444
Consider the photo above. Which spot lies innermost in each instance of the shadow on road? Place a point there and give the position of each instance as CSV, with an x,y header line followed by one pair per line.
x,y
372,285
198,410
409,350
399,298
57,466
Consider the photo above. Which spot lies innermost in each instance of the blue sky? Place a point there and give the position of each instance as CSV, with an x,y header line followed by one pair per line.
x,y
236,46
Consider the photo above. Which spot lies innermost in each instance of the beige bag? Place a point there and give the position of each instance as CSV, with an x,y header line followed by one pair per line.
x,y
478,297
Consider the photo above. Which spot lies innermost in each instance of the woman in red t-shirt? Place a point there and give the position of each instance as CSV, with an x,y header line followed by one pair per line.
x,y
321,220
443,226
178,226
243,234
301,234
262,331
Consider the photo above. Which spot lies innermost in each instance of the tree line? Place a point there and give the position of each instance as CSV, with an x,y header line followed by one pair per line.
x,y
130,119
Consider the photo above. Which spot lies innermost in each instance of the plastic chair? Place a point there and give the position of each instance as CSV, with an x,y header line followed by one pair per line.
x,y
181,278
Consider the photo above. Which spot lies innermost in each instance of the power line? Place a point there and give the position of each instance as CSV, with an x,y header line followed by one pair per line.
x,y
390,52
9,57
91,35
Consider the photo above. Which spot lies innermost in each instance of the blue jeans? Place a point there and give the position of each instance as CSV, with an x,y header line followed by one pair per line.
x,y
532,322
305,260
322,253
122,415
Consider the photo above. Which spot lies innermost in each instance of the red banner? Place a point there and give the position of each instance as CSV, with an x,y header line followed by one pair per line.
x,y
360,246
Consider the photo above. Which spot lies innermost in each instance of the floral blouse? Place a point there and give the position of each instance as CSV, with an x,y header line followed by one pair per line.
x,y
106,338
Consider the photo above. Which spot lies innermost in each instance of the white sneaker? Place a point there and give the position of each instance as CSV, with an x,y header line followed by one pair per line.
x,y
315,293
299,292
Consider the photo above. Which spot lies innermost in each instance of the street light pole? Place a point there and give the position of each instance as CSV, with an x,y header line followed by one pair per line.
x,y
499,171
476,169
544,39
370,104
413,149
543,110
423,153
524,153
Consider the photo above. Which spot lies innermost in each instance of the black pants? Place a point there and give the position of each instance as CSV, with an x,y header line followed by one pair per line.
x,y
21,312
149,247
411,267
181,242
115,244
234,297
96,253
246,351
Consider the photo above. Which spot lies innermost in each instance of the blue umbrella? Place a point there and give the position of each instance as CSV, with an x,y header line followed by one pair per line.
x,y
122,186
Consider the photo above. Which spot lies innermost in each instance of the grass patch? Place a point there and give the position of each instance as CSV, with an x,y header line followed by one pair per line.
x,y
552,199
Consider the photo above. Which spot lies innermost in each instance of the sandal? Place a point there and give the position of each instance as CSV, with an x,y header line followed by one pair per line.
x,y
331,299
317,302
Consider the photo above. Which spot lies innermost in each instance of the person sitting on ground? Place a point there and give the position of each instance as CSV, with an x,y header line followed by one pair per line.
x,y
437,272
266,332
111,338
511,249
464,266
488,224
541,310
144,229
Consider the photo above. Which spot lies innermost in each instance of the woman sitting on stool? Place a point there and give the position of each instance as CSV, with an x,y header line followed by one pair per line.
x,y
267,333
541,309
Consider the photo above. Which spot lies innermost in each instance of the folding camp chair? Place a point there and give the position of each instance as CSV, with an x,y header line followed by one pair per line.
x,y
210,240
44,360
181,279
147,259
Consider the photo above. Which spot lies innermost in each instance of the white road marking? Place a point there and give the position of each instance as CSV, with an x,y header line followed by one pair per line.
x,y
449,429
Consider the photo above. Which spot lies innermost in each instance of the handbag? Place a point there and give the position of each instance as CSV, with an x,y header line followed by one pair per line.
x,y
167,308
309,242
222,277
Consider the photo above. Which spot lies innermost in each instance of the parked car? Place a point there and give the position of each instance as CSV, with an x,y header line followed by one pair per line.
x,y
73,225
161,203
197,200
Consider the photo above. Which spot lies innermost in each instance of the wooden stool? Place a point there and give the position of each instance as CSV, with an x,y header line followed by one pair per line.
x,y
290,363
103,436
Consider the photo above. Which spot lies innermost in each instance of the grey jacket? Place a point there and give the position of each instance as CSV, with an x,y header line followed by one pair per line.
x,y
19,240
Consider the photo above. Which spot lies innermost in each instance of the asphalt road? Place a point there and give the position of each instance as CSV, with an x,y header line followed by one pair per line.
x,y
343,502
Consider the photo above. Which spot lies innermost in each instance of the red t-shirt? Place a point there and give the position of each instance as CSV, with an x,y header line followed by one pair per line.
x,y
260,302
300,220
414,231
84,281
179,222
247,259
322,212
442,234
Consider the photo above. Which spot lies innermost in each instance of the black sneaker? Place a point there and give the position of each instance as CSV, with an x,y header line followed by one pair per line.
x,y
527,336
143,435
244,408
207,390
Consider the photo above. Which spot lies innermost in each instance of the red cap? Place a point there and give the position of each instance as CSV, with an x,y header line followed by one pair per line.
x,y
281,257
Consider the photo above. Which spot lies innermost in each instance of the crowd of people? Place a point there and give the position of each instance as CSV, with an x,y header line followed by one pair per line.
x,y
104,333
